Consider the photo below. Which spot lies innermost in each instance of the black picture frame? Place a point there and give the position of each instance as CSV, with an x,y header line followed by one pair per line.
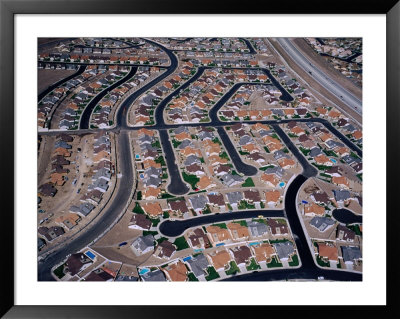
x,y
8,10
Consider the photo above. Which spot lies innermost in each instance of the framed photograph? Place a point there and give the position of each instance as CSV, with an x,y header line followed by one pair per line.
x,y
198,157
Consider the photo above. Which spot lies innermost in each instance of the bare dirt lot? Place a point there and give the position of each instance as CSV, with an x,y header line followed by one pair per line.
x,y
49,77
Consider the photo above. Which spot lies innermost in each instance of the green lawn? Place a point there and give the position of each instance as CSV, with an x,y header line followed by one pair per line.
x,y
321,262
181,243
160,159
176,143
274,263
155,221
224,155
304,151
165,214
241,222
139,195
221,225
295,261
248,182
266,167
212,274
329,153
253,265
138,209
59,271
266,149
191,179
233,269
192,277
149,232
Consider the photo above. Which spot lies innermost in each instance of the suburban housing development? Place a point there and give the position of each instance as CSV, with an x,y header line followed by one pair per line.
x,y
199,159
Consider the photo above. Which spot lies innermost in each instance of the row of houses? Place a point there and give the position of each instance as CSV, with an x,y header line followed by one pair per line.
x,y
103,170
206,44
69,117
102,114
144,110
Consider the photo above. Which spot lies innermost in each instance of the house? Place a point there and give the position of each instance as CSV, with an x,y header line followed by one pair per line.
x,y
231,180
328,252
218,234
272,197
234,199
341,181
152,209
238,231
198,239
165,249
351,254
345,234
257,229
47,190
51,233
253,197
320,198
198,202
143,245
151,193
263,252
314,209
99,275
139,221
284,250
220,259
322,223
156,275
198,265
68,220
277,226
176,272
178,206
76,263
341,195
216,200
205,182
241,254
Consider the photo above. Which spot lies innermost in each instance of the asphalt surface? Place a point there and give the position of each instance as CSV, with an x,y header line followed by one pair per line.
x,y
346,216
87,112
81,69
176,186
331,85
175,228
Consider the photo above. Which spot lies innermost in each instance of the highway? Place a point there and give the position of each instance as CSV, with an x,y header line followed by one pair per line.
x,y
331,85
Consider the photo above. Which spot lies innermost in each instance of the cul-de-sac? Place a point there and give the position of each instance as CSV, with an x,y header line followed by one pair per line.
x,y
199,159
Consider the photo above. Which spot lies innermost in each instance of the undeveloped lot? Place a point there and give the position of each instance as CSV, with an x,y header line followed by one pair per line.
x,y
49,77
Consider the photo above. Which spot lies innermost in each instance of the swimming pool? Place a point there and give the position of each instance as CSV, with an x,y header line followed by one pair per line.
x,y
253,244
143,271
281,184
137,156
90,255
141,176
333,160
187,258
198,250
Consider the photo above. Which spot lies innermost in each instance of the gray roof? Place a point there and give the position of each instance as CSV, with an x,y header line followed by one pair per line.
x,y
146,139
198,264
245,139
103,172
204,134
315,151
341,195
153,171
62,144
157,275
99,183
191,159
351,253
266,132
152,181
229,179
278,112
280,154
84,208
143,242
185,143
181,129
279,171
198,201
321,223
257,229
234,197
284,250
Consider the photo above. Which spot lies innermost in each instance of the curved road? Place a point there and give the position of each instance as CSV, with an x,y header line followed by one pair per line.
x,y
87,112
331,85
174,228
